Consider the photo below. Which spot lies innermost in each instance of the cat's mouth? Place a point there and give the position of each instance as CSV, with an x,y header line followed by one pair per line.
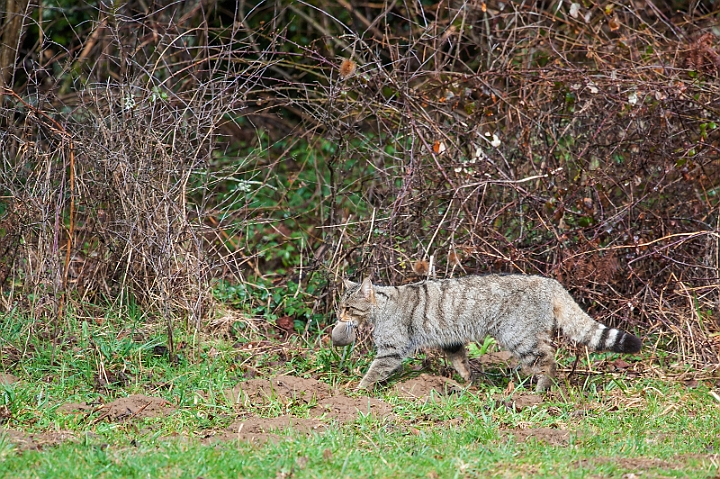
x,y
343,333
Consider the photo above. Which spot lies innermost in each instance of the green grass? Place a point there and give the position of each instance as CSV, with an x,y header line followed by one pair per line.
x,y
643,426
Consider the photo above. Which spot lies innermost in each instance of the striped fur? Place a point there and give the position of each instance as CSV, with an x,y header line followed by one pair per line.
x,y
520,311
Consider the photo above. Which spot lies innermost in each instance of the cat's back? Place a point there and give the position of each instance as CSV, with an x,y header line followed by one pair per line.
x,y
481,286
471,298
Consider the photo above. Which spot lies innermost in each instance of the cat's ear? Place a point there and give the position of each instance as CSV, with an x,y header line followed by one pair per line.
x,y
367,290
348,284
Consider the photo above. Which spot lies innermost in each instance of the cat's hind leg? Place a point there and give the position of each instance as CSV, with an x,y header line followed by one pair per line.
x,y
457,355
540,361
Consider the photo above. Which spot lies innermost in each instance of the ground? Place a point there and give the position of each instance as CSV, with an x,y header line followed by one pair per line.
x,y
294,412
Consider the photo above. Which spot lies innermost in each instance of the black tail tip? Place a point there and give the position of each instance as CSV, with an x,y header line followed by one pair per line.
x,y
628,344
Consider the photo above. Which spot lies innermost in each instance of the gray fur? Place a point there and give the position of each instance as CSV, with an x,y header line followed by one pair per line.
x,y
520,311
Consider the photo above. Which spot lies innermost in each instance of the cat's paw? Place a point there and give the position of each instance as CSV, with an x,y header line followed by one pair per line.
x,y
364,385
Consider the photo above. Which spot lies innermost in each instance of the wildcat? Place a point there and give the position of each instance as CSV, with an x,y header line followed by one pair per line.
x,y
520,311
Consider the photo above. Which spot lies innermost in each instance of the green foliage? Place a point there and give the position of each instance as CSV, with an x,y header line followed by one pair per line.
x,y
261,298
475,351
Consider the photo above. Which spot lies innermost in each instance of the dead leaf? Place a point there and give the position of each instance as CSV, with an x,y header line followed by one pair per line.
x,y
509,389
286,323
613,23
619,364
347,68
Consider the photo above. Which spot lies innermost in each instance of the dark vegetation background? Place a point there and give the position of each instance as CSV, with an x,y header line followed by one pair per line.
x,y
169,157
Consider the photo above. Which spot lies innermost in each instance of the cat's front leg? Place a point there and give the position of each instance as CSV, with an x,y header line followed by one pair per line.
x,y
381,368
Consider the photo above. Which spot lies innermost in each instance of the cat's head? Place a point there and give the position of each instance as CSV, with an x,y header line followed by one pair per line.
x,y
354,309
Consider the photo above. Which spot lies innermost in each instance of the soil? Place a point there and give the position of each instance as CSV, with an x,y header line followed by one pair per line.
x,y
344,409
75,408
327,406
136,406
7,378
260,430
424,385
29,442
637,463
286,388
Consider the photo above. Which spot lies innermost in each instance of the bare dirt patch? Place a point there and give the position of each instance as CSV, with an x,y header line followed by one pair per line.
x,y
285,388
555,437
136,406
346,409
123,409
424,385
75,408
260,430
640,464
328,407
35,441
6,378
341,409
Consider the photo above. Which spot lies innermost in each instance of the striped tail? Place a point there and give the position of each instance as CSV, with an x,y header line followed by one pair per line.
x,y
581,328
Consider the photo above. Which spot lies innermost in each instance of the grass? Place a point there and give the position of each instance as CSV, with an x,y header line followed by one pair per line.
x,y
615,425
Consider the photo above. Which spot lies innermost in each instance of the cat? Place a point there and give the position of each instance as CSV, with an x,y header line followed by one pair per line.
x,y
520,311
